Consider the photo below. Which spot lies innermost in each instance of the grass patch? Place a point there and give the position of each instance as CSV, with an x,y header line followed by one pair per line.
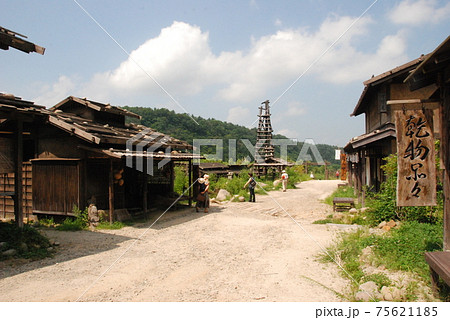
x,y
111,226
27,242
404,248
348,250
380,279
400,249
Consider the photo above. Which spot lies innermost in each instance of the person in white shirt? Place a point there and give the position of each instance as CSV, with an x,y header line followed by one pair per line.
x,y
284,180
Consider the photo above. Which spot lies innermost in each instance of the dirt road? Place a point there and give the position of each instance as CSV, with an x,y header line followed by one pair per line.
x,y
236,252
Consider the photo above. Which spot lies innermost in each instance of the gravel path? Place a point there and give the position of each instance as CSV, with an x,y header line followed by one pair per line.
x,y
236,252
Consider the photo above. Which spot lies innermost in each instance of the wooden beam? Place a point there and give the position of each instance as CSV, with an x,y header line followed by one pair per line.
x,y
74,130
18,192
143,176
445,155
413,104
111,192
190,181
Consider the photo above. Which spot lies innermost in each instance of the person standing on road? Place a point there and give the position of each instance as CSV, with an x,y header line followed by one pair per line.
x,y
202,198
206,177
251,183
284,179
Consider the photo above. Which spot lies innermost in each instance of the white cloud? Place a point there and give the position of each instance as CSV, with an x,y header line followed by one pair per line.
x,y
175,61
238,115
294,109
58,91
181,60
419,12
292,134
351,65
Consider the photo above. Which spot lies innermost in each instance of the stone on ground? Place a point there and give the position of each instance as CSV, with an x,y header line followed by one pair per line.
x,y
223,195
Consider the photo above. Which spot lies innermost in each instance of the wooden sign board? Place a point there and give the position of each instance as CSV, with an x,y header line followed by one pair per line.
x,y
416,181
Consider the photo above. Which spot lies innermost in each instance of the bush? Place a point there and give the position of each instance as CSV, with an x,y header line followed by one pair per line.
x,y
181,179
14,237
79,222
383,204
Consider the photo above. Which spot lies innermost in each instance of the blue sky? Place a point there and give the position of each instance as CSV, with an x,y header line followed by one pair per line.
x,y
220,59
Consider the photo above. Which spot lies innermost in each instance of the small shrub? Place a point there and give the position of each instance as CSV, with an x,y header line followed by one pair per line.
x,y
79,222
47,222
36,243
380,279
181,180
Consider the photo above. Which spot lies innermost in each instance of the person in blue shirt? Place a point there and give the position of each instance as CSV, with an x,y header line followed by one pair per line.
x,y
251,183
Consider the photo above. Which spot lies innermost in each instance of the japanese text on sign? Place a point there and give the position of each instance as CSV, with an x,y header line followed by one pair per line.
x,y
416,182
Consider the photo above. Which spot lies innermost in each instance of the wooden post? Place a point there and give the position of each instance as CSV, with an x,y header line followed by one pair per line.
x,y
18,192
445,152
145,193
111,192
195,176
190,181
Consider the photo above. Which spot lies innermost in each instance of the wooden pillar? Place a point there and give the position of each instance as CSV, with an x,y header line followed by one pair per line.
x,y
111,192
18,182
190,181
195,176
445,148
145,193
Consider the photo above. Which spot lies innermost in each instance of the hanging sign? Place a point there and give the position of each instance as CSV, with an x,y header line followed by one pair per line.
x,y
416,181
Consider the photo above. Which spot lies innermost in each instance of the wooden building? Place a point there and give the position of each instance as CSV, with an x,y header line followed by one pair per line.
x,y
84,152
14,115
19,120
435,71
365,152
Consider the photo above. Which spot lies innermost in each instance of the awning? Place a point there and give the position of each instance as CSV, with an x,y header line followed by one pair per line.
x,y
121,154
386,132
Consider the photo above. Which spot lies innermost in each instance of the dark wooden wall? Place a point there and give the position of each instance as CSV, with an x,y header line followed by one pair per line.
x,y
56,186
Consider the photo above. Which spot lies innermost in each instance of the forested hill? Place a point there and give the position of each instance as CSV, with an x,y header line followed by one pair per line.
x,y
181,126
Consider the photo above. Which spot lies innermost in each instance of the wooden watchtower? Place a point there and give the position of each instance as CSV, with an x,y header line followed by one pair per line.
x,y
264,146
265,162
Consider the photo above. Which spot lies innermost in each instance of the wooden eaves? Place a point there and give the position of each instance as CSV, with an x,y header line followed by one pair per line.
x,y
14,40
97,106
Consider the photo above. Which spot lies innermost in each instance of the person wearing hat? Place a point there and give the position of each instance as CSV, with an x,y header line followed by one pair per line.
x,y
284,180
203,197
